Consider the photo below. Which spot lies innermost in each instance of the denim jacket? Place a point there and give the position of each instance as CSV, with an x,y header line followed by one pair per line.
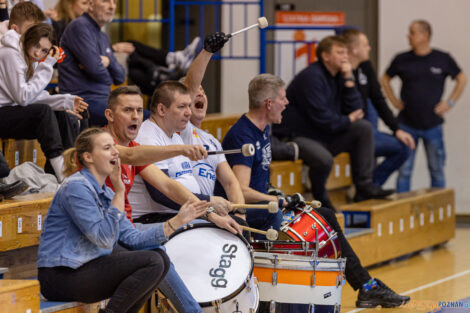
x,y
82,225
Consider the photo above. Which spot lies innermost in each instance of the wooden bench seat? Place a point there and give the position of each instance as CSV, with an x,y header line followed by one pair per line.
x,y
403,224
19,296
20,151
21,220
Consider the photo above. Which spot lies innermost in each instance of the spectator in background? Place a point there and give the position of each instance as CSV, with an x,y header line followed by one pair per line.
x,y
25,107
64,12
396,148
325,118
423,72
90,67
148,67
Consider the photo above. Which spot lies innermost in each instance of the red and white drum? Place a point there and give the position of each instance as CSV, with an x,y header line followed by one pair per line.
x,y
216,266
306,225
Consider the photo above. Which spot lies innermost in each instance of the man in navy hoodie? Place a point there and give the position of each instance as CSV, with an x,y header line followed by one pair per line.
x,y
90,67
325,118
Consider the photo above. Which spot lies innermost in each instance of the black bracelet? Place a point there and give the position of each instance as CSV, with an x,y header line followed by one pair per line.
x,y
171,226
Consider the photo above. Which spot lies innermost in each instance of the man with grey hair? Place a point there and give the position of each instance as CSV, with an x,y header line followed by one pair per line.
x,y
90,67
423,72
267,100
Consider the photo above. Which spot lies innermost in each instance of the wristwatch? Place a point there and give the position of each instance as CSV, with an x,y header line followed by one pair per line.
x,y
209,211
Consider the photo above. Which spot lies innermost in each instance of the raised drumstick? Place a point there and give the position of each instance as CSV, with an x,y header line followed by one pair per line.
x,y
272,206
314,204
262,23
271,234
247,150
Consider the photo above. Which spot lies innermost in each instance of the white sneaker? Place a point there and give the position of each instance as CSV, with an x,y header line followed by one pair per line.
x,y
182,59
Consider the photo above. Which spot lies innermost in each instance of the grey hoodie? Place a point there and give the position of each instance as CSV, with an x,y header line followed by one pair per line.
x,y
15,90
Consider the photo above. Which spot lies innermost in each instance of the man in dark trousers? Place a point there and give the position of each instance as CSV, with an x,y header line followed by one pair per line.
x,y
325,118
395,148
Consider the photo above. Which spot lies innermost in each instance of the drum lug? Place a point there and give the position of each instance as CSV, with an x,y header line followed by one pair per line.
x,y
272,306
305,234
247,284
313,280
274,276
339,280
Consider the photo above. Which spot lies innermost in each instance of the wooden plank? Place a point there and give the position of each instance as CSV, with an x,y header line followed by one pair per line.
x,y
340,175
19,296
287,176
218,124
20,151
21,220
410,223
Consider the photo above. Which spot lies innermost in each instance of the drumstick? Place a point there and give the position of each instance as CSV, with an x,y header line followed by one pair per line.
x,y
272,206
247,150
271,234
315,204
262,23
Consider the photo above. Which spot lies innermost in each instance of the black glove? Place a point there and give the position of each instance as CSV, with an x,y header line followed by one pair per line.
x,y
273,191
215,42
295,201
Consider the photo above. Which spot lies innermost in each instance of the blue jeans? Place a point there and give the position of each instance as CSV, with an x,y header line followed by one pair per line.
x,y
388,146
263,220
435,153
173,287
395,153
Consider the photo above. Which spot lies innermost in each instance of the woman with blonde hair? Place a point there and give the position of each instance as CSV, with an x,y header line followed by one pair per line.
x,y
89,250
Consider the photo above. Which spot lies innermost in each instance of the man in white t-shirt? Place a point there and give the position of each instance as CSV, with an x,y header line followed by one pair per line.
x,y
215,167
170,112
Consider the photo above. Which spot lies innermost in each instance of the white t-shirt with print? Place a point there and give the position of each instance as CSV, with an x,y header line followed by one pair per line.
x,y
179,169
204,170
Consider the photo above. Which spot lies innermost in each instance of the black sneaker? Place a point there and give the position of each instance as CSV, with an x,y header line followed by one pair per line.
x,y
381,295
11,190
372,191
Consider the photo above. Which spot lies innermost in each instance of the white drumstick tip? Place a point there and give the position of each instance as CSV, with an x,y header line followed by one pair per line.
x,y
314,204
248,150
262,22
273,207
271,234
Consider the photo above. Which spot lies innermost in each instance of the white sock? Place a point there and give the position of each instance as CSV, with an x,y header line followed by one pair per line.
x,y
58,166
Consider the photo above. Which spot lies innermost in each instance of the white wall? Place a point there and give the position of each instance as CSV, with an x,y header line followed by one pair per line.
x,y
236,74
451,26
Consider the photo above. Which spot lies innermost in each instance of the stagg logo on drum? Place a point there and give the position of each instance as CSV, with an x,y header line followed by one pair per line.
x,y
218,273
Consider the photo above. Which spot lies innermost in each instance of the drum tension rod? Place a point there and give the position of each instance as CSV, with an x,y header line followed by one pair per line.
x,y
274,276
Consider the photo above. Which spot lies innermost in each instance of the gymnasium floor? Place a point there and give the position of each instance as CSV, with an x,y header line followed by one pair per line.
x,y
433,275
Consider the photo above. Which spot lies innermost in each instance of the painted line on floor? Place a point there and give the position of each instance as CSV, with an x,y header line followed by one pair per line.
x,y
434,283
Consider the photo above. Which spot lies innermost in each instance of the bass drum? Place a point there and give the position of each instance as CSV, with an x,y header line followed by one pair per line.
x,y
216,266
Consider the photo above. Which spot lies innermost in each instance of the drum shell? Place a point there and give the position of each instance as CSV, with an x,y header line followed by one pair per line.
x,y
294,279
302,228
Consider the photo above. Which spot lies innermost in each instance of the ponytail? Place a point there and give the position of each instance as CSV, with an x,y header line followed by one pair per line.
x,y
70,161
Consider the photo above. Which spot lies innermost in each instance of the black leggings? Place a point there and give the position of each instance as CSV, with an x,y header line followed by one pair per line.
x,y
128,278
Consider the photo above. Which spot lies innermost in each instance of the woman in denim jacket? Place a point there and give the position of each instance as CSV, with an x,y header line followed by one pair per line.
x,y
89,250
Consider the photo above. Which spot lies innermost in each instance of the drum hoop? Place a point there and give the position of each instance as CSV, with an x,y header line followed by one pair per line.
x,y
320,222
248,246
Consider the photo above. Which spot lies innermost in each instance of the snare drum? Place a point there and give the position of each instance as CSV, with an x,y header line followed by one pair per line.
x,y
216,267
285,278
306,225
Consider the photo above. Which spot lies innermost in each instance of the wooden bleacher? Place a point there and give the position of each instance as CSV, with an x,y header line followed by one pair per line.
x,y
20,151
401,225
396,238
19,296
